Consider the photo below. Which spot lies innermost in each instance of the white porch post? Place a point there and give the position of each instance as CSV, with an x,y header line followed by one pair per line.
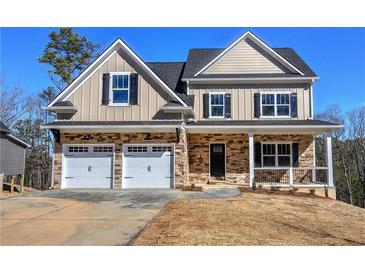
x,y
329,159
251,157
314,159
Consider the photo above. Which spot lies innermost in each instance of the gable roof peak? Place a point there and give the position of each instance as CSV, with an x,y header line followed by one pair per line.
x,y
261,44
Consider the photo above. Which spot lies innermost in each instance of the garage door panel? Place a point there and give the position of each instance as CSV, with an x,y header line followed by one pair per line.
x,y
90,167
148,167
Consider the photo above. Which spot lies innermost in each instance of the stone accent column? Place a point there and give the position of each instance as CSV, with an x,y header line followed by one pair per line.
x,y
181,160
57,168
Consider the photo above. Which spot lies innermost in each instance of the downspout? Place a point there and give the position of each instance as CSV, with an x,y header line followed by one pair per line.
x,y
311,98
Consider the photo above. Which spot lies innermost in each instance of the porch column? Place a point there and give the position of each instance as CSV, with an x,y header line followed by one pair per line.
x,y
314,177
329,159
251,158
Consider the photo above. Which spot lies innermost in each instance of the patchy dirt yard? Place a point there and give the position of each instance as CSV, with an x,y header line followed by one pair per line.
x,y
257,219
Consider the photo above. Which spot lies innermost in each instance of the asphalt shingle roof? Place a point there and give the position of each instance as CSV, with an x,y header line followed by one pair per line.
x,y
169,72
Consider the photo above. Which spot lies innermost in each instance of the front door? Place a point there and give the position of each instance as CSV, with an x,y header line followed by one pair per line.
x,y
217,160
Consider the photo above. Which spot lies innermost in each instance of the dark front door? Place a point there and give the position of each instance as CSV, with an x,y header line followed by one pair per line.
x,y
217,160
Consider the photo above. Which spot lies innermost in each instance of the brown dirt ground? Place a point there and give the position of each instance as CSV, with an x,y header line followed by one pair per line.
x,y
257,219
6,194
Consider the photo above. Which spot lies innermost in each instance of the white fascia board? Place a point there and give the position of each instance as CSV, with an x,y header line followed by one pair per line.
x,y
18,140
61,109
267,127
95,65
252,79
108,126
258,41
175,108
277,130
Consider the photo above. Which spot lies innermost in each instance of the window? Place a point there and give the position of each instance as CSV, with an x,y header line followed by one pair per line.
x,y
119,89
137,149
217,105
103,149
275,104
161,149
276,155
78,149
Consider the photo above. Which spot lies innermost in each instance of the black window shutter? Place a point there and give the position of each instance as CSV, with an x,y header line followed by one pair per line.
x,y
133,90
206,105
293,105
227,105
106,81
295,154
257,154
257,103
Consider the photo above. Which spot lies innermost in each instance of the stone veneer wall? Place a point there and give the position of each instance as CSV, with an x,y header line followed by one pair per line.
x,y
191,153
237,154
236,157
181,161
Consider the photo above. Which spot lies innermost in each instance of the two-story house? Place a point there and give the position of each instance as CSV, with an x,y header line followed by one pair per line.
x,y
239,115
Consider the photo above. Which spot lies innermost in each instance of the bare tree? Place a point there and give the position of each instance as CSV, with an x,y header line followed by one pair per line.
x,y
12,103
356,129
333,113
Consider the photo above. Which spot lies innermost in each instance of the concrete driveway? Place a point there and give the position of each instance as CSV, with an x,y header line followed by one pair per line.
x,y
87,217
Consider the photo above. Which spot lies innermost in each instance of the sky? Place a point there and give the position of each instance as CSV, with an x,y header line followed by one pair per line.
x,y
337,55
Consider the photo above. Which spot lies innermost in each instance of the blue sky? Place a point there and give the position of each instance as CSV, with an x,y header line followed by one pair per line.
x,y
337,55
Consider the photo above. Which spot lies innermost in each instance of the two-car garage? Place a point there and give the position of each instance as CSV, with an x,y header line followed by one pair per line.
x,y
93,166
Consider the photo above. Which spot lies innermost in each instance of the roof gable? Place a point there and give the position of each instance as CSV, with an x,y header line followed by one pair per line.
x,y
117,46
246,58
248,54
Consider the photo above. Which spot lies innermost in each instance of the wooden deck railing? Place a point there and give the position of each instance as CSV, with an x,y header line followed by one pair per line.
x,y
13,181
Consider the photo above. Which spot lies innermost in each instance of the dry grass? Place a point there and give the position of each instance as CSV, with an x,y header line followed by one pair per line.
x,y
257,219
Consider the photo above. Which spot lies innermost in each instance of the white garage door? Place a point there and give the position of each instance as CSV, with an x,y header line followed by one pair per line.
x,y
87,166
148,166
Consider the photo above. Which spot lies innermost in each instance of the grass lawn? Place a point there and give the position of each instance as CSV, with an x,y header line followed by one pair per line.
x,y
257,219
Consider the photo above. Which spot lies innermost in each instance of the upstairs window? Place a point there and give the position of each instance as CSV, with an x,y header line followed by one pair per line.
x,y
217,105
275,104
119,92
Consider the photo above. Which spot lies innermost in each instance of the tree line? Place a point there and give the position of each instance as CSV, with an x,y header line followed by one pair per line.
x,y
68,53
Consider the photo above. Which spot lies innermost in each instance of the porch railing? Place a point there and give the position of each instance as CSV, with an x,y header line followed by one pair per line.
x,y
290,176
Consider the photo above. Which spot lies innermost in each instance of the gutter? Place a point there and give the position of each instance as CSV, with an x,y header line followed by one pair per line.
x,y
264,127
258,79
109,126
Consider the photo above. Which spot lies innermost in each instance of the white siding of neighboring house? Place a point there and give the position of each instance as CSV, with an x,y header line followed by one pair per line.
x,y
11,156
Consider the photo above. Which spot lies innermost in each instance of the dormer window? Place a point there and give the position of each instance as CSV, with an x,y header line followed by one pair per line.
x,y
119,89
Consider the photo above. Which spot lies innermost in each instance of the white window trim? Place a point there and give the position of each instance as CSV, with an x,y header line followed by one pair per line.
x,y
275,104
277,153
210,104
111,88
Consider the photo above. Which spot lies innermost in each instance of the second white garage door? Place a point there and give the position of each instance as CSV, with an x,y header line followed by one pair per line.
x,y
148,166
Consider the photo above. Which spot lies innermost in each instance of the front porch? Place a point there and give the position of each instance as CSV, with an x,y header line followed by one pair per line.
x,y
278,158
301,169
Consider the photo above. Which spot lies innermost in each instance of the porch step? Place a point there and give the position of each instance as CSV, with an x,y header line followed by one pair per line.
x,y
220,186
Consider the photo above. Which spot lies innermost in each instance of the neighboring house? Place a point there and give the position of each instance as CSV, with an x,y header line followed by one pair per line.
x,y
239,115
12,152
